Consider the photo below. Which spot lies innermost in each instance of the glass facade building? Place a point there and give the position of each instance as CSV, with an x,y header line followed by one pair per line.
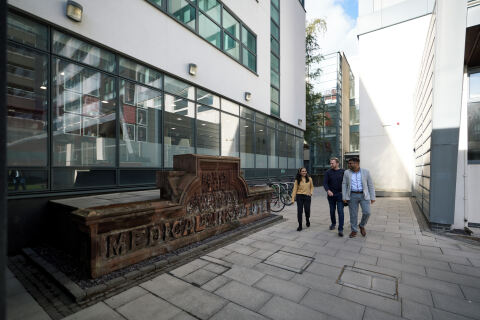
x,y
337,132
82,117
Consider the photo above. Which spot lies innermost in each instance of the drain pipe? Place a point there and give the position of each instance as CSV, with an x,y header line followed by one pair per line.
x,y
465,194
464,121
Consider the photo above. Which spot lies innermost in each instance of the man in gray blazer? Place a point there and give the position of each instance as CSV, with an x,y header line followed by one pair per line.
x,y
357,189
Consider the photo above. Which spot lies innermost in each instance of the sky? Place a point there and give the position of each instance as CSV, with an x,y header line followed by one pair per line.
x,y
341,35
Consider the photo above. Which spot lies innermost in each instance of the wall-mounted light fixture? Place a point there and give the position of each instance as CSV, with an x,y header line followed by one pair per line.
x,y
74,11
192,69
248,96
300,122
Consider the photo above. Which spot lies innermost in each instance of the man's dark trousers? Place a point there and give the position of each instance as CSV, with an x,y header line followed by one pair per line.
x,y
303,202
336,201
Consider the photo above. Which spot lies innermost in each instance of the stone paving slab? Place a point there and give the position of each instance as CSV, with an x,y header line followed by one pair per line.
x,y
438,277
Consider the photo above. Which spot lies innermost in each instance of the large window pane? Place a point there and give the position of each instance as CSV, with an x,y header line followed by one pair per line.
x,y
179,88
274,46
231,46
21,180
299,152
212,8
261,146
249,60
207,98
272,148
69,178
247,113
474,132
230,129
231,24
274,109
230,106
179,124
137,72
274,95
247,151
249,40
274,30
84,103
27,107
28,32
81,51
282,150
291,151
276,2
209,30
140,123
275,15
274,63
208,130
182,11
274,79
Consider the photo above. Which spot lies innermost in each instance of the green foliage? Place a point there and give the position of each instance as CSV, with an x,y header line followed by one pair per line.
x,y
314,103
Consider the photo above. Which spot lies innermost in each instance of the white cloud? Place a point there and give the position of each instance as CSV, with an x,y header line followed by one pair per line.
x,y
341,34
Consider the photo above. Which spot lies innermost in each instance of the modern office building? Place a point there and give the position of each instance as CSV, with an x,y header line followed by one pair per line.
x,y
419,119
337,132
102,94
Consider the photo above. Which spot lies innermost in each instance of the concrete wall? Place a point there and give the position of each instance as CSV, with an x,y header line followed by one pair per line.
x,y
292,62
378,14
139,30
390,60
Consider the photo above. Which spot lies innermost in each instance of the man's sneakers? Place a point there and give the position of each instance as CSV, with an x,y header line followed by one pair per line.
x,y
353,234
308,223
363,232
340,233
299,228
332,226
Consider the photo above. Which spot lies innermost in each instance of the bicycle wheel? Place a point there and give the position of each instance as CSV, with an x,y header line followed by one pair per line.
x,y
276,203
285,196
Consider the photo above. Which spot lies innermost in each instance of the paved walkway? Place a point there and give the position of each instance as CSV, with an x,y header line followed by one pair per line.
x,y
395,272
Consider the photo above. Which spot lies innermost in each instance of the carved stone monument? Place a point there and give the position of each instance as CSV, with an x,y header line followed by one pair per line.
x,y
203,196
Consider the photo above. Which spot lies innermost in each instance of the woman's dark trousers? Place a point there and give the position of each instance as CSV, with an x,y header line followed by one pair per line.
x,y
303,202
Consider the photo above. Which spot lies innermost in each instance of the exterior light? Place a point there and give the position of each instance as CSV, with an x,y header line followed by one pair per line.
x,y
300,122
43,87
248,96
104,101
179,119
192,69
74,11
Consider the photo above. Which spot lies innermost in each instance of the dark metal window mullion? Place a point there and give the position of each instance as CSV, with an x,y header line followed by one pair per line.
x,y
117,122
194,122
162,125
49,111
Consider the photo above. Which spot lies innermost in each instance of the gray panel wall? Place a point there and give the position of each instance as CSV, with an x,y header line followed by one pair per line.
x,y
423,123
447,103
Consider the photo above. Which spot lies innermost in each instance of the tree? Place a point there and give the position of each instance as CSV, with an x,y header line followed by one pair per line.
x,y
314,103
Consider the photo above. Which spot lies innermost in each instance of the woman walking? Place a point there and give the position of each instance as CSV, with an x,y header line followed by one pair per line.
x,y
302,192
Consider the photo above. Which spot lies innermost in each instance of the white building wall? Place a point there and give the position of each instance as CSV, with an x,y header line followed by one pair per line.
x,y
139,30
292,62
389,64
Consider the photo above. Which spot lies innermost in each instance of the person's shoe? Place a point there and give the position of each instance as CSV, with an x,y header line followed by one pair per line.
x,y
308,223
340,233
363,232
332,226
353,234
299,228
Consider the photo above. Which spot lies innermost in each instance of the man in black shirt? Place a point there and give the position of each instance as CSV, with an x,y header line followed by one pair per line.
x,y
333,185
